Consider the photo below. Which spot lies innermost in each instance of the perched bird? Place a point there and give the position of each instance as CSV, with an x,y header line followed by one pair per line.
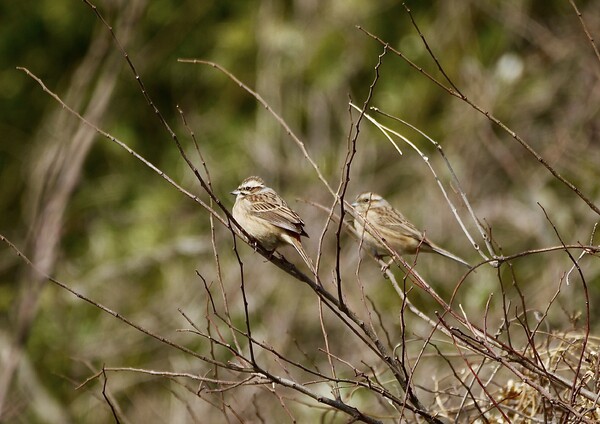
x,y
266,217
392,227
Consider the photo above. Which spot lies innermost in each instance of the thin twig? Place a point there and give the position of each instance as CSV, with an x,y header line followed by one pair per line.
x,y
105,395
587,306
456,182
345,179
585,29
110,311
494,120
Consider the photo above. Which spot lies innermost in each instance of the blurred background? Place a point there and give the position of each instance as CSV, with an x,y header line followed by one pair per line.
x,y
84,210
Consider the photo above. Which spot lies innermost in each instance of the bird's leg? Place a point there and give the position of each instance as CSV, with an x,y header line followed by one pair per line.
x,y
387,266
270,255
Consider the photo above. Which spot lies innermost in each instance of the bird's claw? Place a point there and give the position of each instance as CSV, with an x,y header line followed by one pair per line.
x,y
385,267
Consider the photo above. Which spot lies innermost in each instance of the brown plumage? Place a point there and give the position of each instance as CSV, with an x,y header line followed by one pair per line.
x,y
266,217
393,228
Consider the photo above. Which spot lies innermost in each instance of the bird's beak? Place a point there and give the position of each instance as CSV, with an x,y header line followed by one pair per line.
x,y
355,204
235,192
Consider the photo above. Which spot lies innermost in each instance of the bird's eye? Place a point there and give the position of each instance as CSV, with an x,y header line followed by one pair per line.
x,y
366,200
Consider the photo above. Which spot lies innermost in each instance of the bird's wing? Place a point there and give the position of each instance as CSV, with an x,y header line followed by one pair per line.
x,y
272,208
397,223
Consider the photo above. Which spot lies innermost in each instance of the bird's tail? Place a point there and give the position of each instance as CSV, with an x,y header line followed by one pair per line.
x,y
449,255
298,246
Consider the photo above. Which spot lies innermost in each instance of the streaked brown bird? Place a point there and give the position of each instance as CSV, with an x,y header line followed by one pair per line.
x,y
266,217
391,226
